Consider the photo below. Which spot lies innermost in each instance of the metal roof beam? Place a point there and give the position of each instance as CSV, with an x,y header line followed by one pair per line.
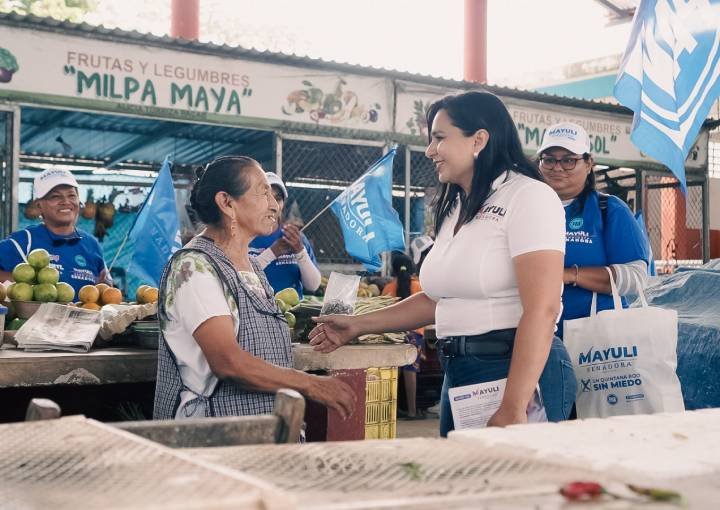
x,y
140,141
50,122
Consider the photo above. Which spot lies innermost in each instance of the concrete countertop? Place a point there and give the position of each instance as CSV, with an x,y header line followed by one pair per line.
x,y
129,365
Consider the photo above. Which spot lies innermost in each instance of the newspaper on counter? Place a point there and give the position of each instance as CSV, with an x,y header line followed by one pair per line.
x,y
59,327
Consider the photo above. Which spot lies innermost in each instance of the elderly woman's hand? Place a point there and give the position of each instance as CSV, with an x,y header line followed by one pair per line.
x,y
332,332
333,393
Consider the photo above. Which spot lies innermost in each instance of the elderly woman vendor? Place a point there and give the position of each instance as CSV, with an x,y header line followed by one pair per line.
x,y
224,345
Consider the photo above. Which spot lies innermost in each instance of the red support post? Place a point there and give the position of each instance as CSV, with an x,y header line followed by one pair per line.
x,y
185,19
475,61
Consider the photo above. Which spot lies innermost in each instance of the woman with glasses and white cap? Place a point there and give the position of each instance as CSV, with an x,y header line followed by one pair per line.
x,y
286,255
601,231
73,252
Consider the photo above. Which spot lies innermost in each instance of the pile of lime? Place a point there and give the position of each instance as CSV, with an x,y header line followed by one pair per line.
x,y
285,300
36,280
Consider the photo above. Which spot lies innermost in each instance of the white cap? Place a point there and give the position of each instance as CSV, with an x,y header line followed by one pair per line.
x,y
275,180
568,136
51,177
419,245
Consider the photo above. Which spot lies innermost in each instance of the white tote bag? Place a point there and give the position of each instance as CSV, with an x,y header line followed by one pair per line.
x,y
625,359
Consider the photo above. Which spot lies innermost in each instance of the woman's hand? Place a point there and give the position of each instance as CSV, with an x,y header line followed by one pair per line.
x,y
332,332
333,393
280,247
507,416
293,238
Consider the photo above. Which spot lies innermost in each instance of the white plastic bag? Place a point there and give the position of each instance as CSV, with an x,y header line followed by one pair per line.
x,y
340,294
625,359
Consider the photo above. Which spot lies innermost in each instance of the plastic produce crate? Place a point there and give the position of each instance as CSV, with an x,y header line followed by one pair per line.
x,y
381,403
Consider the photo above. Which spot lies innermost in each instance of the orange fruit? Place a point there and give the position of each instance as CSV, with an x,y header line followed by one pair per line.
x,y
150,295
89,294
90,306
139,293
102,287
111,296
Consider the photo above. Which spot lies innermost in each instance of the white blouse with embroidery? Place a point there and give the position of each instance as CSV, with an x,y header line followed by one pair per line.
x,y
195,294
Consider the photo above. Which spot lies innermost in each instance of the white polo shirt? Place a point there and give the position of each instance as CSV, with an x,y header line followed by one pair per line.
x,y
471,275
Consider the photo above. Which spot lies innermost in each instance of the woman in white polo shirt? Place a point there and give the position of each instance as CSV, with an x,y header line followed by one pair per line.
x,y
493,279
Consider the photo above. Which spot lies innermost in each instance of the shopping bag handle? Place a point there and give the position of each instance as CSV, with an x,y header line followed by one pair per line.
x,y
617,303
641,294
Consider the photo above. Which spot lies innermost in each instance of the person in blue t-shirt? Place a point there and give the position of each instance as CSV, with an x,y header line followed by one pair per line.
x,y
601,231
75,254
286,254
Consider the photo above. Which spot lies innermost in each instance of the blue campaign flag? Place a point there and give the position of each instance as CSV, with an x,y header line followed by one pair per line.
x,y
156,232
670,76
369,223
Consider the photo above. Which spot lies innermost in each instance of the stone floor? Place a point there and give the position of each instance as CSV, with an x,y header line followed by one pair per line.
x,y
429,427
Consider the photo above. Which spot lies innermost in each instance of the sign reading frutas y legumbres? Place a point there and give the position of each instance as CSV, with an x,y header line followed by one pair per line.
x,y
77,71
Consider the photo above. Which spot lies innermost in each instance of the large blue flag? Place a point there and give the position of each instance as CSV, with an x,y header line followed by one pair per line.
x,y
156,232
670,76
369,223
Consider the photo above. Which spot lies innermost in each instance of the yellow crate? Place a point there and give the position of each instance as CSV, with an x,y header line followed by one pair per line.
x,y
380,403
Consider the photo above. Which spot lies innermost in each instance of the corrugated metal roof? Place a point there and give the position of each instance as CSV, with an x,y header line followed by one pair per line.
x,y
100,32
112,139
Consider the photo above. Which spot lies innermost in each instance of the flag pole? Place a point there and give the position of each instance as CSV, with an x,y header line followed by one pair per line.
x,y
317,215
394,147
119,250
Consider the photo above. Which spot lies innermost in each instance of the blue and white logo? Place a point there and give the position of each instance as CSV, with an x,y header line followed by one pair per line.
x,y
576,223
670,76
612,399
80,261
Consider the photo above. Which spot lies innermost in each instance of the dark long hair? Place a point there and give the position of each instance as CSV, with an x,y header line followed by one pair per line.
x,y
225,173
470,112
402,268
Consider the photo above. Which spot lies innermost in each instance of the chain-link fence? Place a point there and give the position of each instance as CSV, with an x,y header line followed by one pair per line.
x,y
714,157
674,222
316,172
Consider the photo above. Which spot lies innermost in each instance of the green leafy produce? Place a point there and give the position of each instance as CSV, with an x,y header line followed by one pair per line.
x,y
413,470
8,61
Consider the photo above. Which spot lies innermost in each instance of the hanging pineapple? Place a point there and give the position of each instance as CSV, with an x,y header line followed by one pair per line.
x,y
32,211
89,210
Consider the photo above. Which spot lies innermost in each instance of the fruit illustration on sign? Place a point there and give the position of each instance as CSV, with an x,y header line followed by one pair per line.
x,y
8,65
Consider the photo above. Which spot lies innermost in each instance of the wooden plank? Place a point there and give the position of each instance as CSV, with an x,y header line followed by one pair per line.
x,y
206,432
101,366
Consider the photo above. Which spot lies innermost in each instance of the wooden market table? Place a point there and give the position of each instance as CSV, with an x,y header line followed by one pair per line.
x,y
30,374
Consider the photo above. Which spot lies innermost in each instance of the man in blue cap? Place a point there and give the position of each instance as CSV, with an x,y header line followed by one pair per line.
x,y
74,253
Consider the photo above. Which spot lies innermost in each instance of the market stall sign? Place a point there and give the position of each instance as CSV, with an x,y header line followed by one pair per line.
x,y
131,78
609,133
